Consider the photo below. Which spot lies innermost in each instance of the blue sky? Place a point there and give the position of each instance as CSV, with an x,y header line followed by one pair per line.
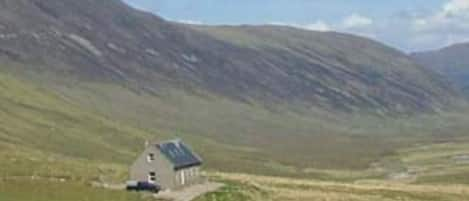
x,y
409,25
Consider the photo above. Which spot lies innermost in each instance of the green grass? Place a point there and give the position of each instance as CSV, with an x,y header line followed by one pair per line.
x,y
38,190
75,135
45,139
234,190
33,118
258,140
446,178
442,163
250,134
18,162
288,189
231,136
97,121
228,193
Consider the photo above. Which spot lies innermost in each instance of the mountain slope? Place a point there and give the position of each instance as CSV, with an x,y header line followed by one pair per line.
x,y
39,120
232,98
351,71
451,62
52,149
107,41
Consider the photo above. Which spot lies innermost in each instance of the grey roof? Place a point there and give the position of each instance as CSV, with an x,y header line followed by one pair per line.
x,y
180,155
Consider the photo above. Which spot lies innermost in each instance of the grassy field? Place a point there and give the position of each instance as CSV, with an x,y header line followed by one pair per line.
x,y
258,188
53,191
436,172
445,163
73,177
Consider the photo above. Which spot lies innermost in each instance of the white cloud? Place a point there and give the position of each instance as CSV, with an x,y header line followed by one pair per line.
x,y
356,21
409,30
316,26
454,12
456,7
421,22
453,15
193,22
445,26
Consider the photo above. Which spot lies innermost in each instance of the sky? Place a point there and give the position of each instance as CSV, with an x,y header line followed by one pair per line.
x,y
409,25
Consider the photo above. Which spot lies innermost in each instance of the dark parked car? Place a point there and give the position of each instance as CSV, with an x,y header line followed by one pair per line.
x,y
142,186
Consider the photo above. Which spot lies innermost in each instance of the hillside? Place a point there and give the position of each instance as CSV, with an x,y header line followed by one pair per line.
x,y
45,139
452,62
96,41
366,74
51,150
249,93
39,120
275,112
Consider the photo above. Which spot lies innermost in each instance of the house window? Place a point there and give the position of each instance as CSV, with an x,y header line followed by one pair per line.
x,y
150,157
152,177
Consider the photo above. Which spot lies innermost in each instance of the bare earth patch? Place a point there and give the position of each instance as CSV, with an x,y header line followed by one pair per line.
x,y
189,193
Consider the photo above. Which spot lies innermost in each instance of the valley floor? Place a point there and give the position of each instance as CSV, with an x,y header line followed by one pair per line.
x,y
249,187
240,187
436,172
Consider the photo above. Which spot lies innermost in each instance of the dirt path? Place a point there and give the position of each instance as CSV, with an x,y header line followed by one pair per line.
x,y
189,193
